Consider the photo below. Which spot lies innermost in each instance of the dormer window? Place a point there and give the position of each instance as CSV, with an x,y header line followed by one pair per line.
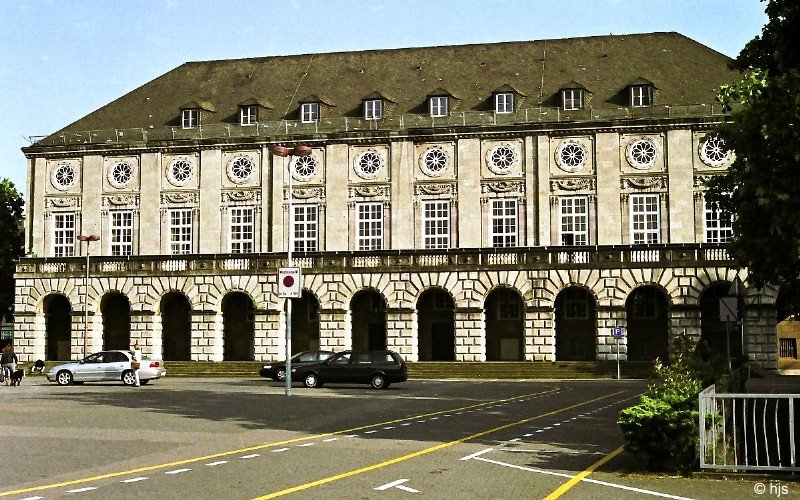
x,y
309,112
572,99
438,105
373,109
248,114
504,102
190,118
641,95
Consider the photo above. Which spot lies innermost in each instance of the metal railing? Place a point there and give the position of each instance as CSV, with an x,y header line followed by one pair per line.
x,y
283,128
748,432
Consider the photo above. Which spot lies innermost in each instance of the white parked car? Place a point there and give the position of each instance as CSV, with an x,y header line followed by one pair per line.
x,y
102,366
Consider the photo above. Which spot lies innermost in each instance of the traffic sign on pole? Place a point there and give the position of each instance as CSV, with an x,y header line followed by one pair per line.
x,y
289,279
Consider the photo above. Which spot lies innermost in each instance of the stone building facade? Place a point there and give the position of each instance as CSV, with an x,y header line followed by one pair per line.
x,y
455,205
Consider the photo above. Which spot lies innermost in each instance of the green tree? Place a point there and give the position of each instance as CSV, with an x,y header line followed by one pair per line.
x,y
762,187
11,241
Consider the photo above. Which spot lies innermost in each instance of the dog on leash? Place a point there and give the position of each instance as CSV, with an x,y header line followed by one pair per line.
x,y
16,376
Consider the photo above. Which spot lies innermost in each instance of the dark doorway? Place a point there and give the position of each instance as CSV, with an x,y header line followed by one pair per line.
x,y
576,325
714,332
176,327
436,326
116,311
58,328
305,323
368,314
238,318
505,331
648,324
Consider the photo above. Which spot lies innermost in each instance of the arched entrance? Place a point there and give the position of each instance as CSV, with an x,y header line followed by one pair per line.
x,y
648,323
116,310
576,325
305,323
714,333
176,327
238,332
436,326
368,313
505,331
58,327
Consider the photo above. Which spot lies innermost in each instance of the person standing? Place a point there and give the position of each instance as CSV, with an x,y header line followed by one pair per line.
x,y
136,362
9,362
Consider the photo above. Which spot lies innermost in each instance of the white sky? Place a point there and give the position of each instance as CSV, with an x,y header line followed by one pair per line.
x,y
62,59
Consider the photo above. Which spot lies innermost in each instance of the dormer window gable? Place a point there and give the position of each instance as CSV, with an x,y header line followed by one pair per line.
x,y
640,92
573,96
191,113
249,110
374,105
505,99
310,108
439,102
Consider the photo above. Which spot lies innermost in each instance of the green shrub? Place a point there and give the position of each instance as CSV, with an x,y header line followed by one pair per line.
x,y
664,424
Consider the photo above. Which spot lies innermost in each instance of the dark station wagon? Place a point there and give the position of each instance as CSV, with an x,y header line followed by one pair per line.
x,y
377,368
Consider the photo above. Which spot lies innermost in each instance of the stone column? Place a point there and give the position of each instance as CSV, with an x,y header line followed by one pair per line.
x,y
470,334
150,204
143,331
35,225
268,344
401,333
679,156
609,316
609,209
470,221
334,330
206,336
760,339
209,227
540,333
29,336
337,167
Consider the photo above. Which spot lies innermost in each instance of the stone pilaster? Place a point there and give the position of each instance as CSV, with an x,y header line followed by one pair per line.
x,y
470,334
607,318
334,325
760,346
206,336
540,337
401,333
268,343
143,330
29,336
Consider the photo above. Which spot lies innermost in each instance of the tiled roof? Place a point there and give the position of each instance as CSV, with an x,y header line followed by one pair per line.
x,y
684,72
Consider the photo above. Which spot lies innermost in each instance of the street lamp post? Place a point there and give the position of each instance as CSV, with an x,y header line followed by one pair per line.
x,y
88,239
284,152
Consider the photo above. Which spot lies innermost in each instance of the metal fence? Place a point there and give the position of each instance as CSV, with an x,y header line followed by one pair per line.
x,y
748,432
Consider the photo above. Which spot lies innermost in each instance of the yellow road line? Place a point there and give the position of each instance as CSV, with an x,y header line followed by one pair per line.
x,y
425,451
576,479
258,447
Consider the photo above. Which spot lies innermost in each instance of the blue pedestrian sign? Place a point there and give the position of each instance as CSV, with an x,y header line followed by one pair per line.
x,y
617,331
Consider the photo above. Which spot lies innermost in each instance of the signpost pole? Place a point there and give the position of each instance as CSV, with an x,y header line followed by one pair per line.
x,y
618,374
290,242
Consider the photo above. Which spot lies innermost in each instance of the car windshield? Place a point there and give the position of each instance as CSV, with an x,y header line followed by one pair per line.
x,y
341,359
94,358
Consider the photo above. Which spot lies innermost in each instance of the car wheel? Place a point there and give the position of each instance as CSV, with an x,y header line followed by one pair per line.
x,y
378,382
311,380
64,378
281,375
128,377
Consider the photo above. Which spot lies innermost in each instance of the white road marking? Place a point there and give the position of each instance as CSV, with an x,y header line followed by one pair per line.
x,y
389,427
371,432
351,435
33,498
280,450
527,435
397,484
218,462
254,455
405,424
540,430
329,440
177,471
476,454
81,490
305,445
133,479
587,480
